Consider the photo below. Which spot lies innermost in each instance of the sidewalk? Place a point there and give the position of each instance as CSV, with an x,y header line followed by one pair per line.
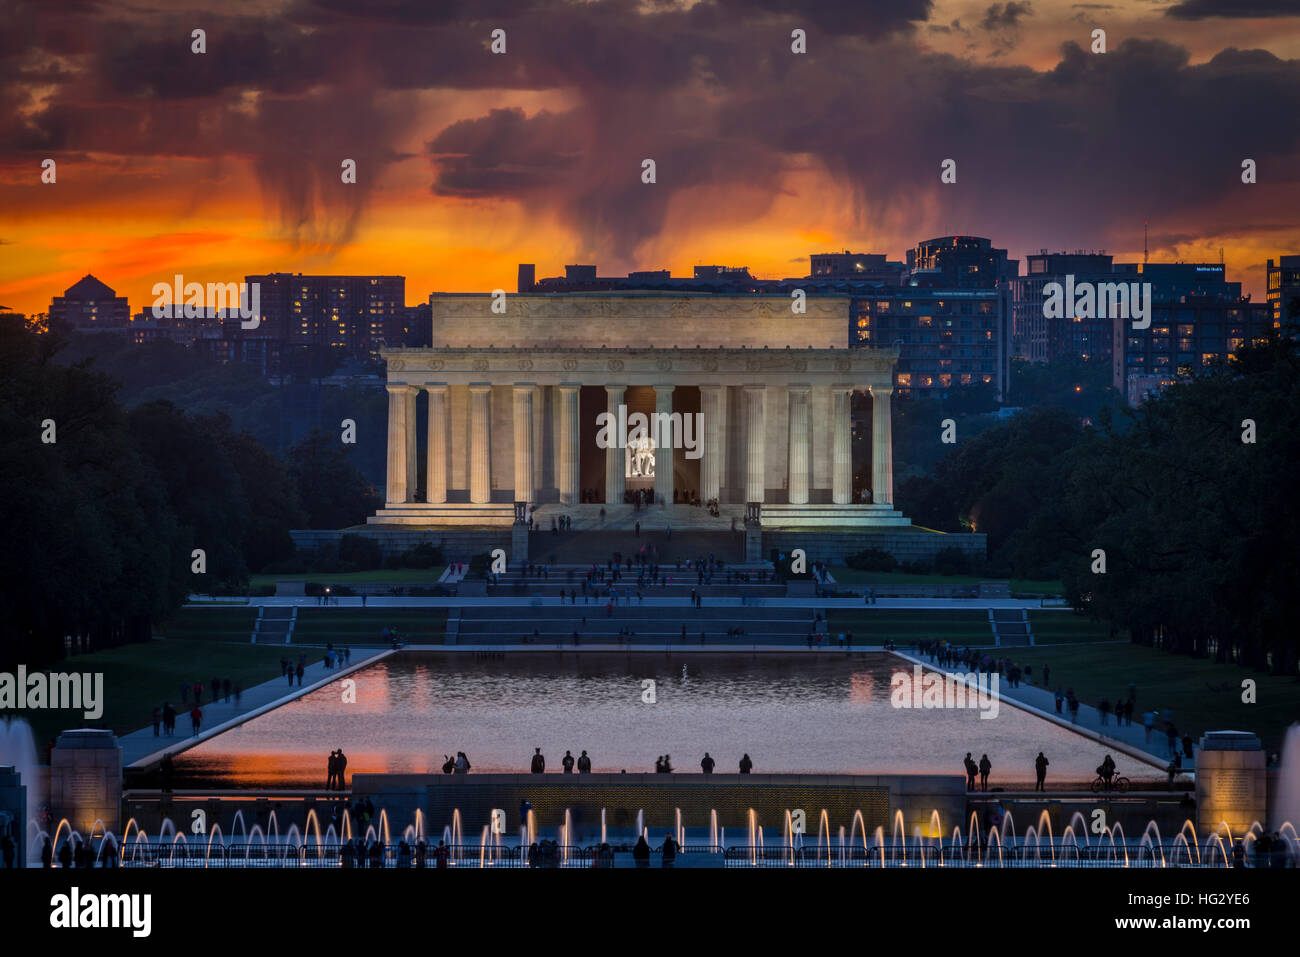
x,y
1131,739
142,747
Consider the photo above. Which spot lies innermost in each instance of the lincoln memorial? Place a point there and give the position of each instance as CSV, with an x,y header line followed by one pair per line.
x,y
748,403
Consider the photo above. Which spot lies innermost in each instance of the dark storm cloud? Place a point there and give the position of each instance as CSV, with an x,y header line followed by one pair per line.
x,y
1005,16
711,92
1202,9
865,18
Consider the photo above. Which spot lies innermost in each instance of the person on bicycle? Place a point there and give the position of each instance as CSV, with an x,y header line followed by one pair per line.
x,y
1107,771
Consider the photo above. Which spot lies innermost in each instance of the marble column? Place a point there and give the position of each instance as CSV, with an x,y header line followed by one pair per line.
x,y
397,444
882,446
523,428
480,443
435,484
615,454
412,445
755,443
665,441
841,446
799,444
567,470
711,399
539,445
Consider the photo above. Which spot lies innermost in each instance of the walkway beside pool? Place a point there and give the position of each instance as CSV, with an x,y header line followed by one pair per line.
x,y
143,747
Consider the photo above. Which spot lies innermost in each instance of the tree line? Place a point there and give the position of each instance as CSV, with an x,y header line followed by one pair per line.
x,y
1173,521
103,507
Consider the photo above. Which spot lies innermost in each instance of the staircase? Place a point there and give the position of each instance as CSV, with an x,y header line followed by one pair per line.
x,y
275,626
1010,627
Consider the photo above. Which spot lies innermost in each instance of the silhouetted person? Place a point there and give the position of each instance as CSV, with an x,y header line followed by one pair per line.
x,y
157,721
746,765
332,767
196,718
971,770
1106,770
706,763
669,851
985,767
584,763
641,852
462,763
567,762
342,768
539,762
1040,771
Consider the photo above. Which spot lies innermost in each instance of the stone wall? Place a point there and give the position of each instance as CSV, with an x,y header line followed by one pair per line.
x,y
457,544
906,545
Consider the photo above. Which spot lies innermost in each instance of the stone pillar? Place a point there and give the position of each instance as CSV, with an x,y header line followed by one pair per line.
x,y
398,435
711,400
665,440
615,455
524,442
13,805
568,472
412,445
724,438
435,480
799,444
1231,784
539,445
882,446
480,443
755,443
86,780
841,446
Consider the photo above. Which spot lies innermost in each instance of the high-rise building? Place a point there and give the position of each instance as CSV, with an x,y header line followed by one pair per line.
x,y
1186,336
1284,289
355,313
959,262
946,338
89,304
862,267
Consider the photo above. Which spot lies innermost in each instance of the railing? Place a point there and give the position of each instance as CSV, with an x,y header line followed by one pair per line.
x,y
181,855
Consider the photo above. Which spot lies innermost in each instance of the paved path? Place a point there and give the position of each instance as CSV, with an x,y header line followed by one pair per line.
x,y
142,747
1131,739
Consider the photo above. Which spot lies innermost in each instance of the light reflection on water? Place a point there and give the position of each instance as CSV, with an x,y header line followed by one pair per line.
x,y
792,714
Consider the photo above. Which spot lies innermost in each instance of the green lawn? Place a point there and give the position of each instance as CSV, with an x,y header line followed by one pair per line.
x,y
1203,696
138,677
856,576
215,623
358,626
1058,627
381,576
905,626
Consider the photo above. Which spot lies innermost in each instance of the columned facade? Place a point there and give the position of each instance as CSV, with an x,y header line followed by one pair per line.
x,y
493,440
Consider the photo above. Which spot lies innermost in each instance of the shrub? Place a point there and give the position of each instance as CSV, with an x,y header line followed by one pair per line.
x,y
952,561
361,551
872,560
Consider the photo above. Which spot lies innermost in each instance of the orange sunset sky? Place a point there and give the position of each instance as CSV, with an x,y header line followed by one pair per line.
x,y
227,163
